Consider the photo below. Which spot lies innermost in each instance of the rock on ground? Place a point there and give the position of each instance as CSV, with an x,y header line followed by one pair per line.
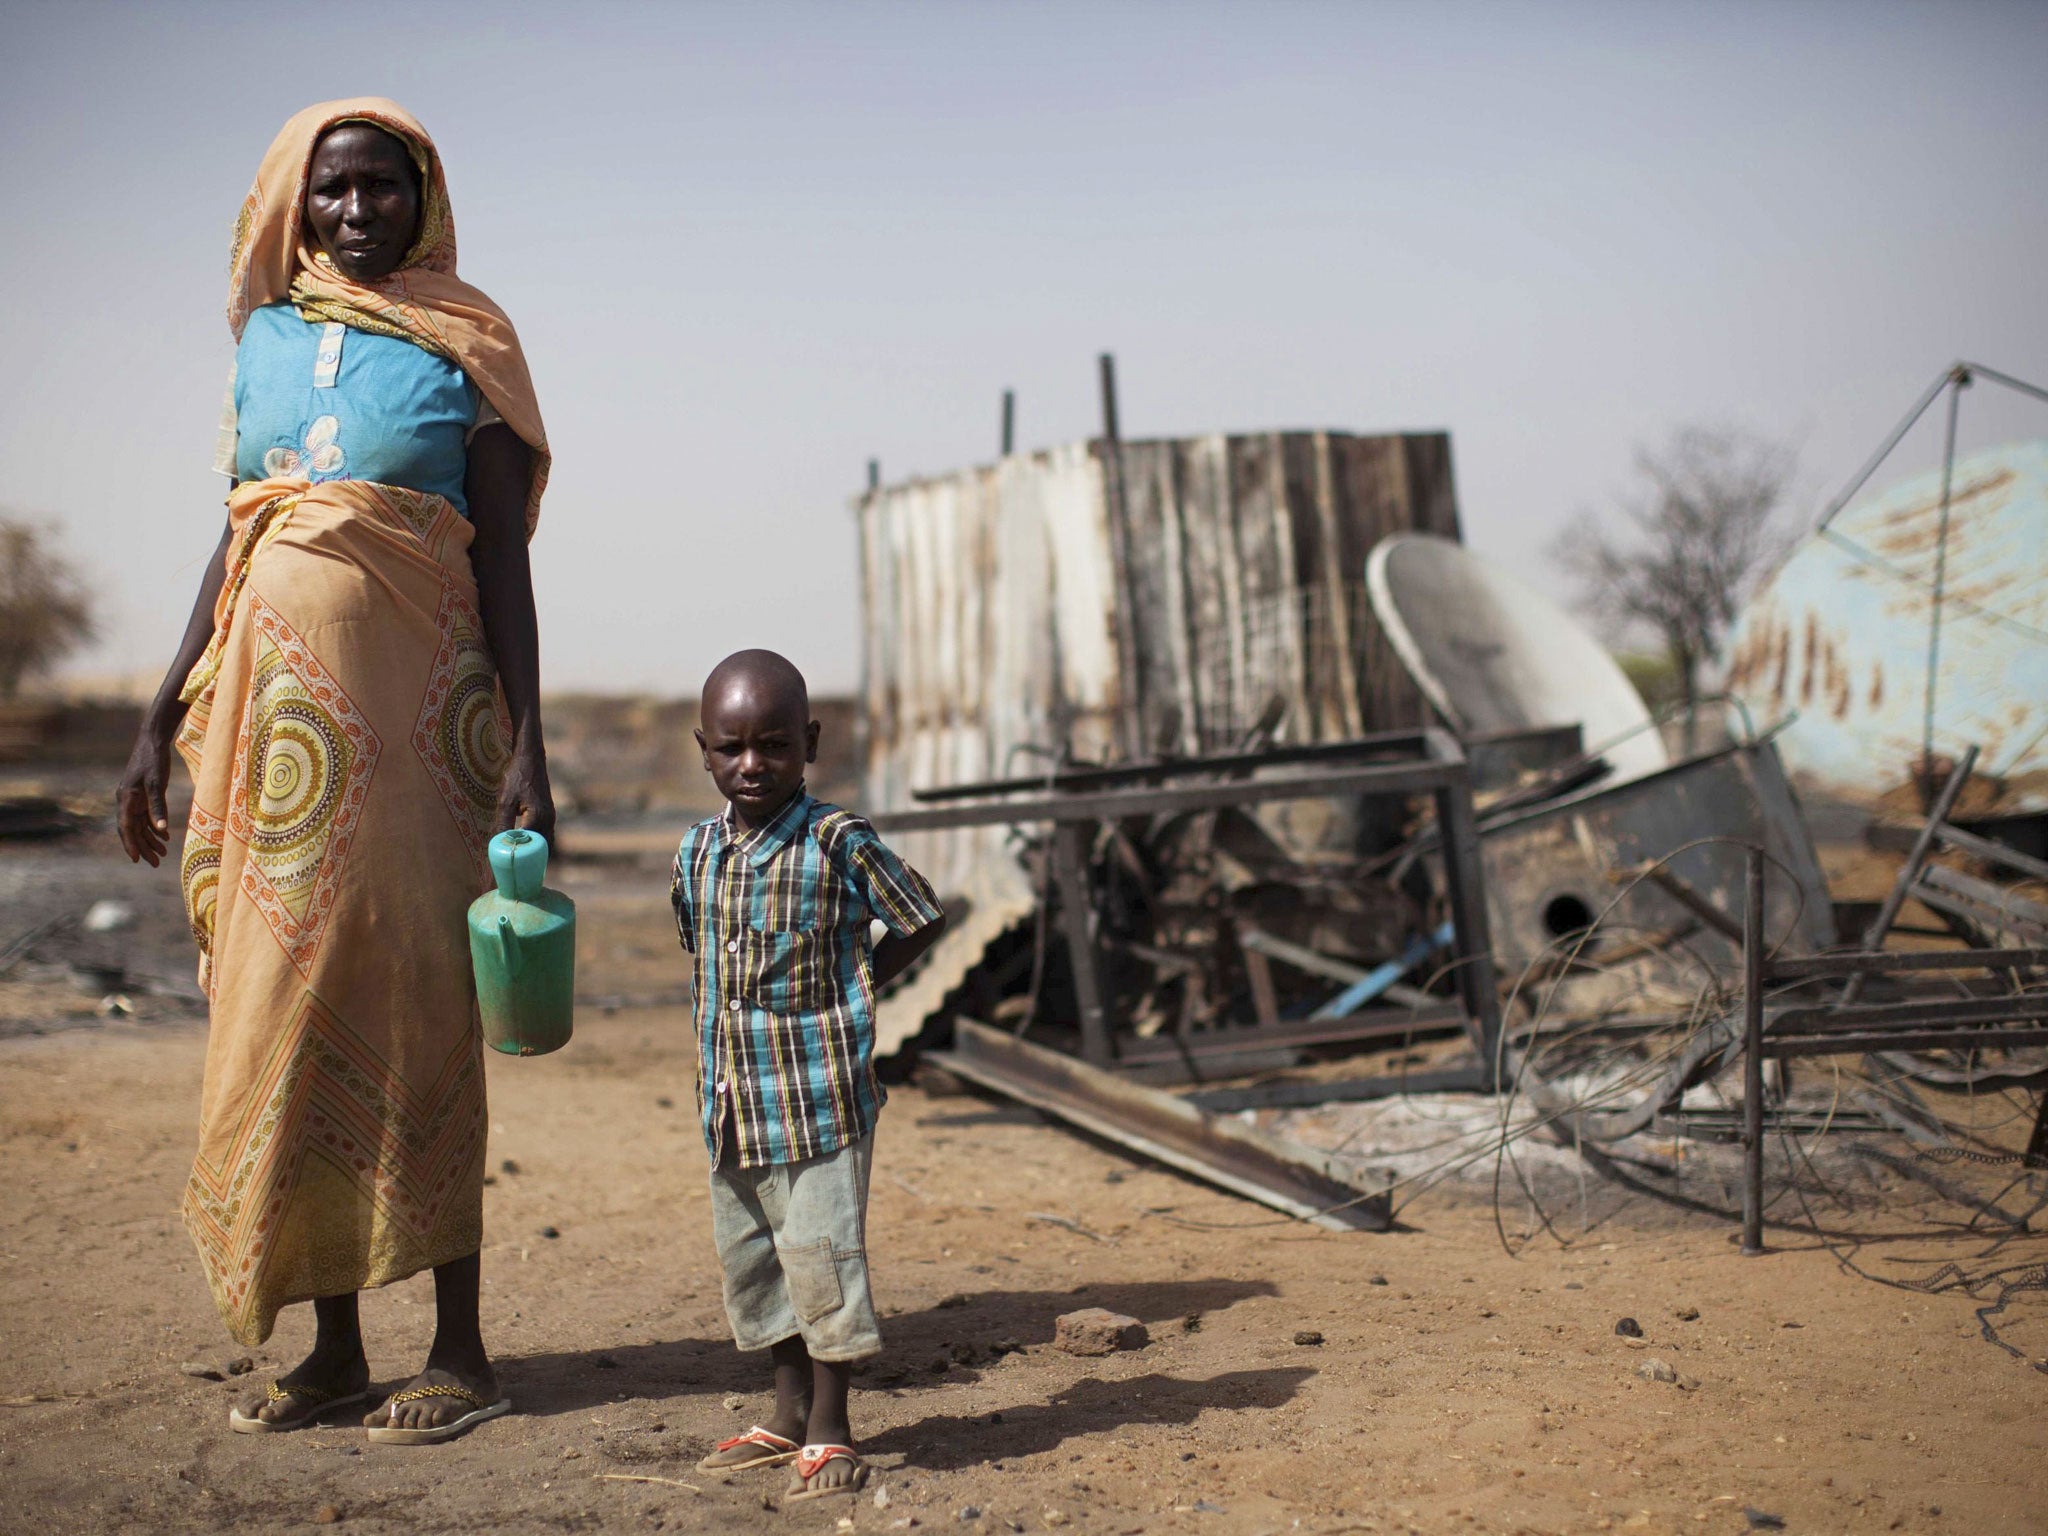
x,y
1097,1331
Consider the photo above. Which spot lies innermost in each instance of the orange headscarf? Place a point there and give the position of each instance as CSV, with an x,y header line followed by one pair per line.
x,y
423,301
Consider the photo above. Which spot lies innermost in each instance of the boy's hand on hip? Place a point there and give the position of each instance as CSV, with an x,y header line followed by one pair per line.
x,y
898,952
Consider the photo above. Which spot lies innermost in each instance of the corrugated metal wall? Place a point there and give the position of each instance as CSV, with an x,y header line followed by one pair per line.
x,y
996,612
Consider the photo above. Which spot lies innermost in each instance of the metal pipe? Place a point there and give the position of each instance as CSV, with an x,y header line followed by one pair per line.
x,y
1893,1038
1940,1013
1009,422
1753,1055
1809,967
1884,451
1909,872
1959,381
1376,981
2006,379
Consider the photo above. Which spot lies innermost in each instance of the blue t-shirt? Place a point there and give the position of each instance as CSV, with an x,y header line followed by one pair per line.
x,y
318,400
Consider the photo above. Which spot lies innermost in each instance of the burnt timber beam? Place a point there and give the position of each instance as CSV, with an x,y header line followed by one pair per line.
x,y
1114,804
1240,1158
1396,746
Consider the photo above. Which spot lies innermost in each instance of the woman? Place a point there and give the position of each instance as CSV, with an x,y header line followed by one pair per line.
x,y
357,698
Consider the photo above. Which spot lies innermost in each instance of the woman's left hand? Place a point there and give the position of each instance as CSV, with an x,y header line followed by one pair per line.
x,y
525,798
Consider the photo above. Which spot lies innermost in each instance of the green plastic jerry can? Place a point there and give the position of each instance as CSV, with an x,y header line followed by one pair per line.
x,y
522,940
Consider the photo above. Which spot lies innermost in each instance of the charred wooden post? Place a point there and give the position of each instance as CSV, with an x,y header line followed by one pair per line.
x,y
1465,886
1131,719
1077,924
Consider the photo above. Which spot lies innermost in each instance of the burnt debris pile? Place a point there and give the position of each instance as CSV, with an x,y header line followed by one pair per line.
x,y
1292,844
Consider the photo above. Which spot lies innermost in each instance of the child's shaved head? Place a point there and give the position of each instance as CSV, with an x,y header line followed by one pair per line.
x,y
771,680
756,732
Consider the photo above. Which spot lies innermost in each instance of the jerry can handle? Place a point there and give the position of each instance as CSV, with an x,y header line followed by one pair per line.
x,y
519,861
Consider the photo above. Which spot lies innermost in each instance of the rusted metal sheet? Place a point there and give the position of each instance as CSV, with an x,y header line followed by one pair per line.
x,y
1839,636
995,624
1243,1159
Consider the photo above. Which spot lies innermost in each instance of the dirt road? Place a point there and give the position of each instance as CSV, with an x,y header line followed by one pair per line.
x,y
1454,1388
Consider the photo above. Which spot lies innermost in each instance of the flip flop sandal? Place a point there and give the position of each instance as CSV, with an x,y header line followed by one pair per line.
x,y
812,1460
775,1451
318,1400
388,1434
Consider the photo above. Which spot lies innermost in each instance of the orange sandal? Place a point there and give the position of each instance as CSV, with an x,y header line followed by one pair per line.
x,y
812,1460
775,1451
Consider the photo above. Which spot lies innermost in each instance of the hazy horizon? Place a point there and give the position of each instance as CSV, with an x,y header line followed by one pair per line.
x,y
751,247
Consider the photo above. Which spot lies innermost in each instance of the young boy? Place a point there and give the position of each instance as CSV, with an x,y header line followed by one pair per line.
x,y
774,899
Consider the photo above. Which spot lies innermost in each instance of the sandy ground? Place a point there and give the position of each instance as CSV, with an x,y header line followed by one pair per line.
x,y
1455,1388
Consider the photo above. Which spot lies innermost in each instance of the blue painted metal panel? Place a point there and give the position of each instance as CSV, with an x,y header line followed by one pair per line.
x,y
1839,636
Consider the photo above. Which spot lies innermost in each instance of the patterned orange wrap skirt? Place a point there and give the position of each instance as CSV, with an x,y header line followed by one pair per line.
x,y
346,738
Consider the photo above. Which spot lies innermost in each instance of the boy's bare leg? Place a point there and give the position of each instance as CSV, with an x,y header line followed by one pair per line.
x,y
827,1423
457,1357
335,1368
792,1389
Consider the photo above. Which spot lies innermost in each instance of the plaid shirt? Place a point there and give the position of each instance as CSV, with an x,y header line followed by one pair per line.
x,y
777,919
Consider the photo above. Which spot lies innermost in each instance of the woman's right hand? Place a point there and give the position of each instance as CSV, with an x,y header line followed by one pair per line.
x,y
139,810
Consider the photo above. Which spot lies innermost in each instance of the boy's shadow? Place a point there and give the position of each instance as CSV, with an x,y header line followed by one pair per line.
x,y
961,1333
943,1442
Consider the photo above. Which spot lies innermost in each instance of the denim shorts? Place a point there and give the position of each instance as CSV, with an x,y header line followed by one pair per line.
x,y
792,1238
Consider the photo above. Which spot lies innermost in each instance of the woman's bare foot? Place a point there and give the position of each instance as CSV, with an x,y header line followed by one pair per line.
x,y
328,1374
403,1411
335,1371
457,1365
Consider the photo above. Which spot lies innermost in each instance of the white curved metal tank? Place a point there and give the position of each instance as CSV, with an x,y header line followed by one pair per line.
x,y
1494,654
1839,636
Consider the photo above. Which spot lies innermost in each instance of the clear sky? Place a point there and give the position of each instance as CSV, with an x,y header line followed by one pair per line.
x,y
750,246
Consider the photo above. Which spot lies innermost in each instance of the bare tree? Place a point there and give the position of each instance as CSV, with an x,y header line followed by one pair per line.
x,y
1692,536
44,611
